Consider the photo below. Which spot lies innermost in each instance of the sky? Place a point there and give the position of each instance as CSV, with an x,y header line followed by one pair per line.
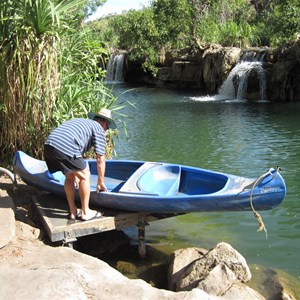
x,y
117,6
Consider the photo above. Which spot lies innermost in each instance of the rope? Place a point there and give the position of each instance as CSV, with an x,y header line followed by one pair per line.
x,y
9,173
260,221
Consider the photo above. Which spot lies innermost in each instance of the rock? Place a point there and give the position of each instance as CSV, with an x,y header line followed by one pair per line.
x,y
212,69
223,255
219,272
242,291
27,232
184,74
126,268
218,280
221,281
253,91
284,82
40,284
180,260
38,271
207,69
7,219
29,269
187,71
217,63
231,57
283,286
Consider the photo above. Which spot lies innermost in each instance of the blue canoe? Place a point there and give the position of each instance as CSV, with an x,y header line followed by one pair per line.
x,y
162,187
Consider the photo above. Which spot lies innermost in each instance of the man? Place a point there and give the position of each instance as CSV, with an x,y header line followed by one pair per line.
x,y
63,151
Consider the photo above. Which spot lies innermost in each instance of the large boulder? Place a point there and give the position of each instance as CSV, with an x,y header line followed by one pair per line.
x,y
181,259
181,69
284,81
284,74
217,64
219,272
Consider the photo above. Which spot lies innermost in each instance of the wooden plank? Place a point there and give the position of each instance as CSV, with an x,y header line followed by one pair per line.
x,y
53,211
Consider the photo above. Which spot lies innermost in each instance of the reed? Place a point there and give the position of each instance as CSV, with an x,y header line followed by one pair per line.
x,y
48,72
29,74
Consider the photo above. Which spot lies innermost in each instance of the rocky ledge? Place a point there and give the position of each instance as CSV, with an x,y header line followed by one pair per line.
x,y
31,269
205,70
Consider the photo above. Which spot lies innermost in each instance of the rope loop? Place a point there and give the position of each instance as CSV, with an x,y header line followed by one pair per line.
x,y
262,226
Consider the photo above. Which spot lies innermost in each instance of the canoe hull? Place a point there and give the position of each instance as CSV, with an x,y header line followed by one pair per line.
x,y
162,188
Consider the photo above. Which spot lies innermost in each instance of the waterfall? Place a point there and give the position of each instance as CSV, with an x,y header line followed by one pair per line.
x,y
114,71
247,80
236,84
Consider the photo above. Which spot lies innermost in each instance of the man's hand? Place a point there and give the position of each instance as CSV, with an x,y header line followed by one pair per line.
x,y
101,188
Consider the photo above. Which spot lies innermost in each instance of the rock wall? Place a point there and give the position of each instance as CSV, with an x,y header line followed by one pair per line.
x,y
206,69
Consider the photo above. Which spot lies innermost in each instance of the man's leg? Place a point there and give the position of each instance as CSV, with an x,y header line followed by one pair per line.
x,y
70,193
83,178
84,189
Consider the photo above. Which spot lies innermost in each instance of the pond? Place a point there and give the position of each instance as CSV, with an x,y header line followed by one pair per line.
x,y
232,136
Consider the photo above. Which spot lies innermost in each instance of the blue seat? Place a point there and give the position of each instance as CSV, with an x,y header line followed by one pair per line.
x,y
57,176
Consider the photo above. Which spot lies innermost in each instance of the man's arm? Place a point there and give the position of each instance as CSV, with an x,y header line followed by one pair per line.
x,y
101,164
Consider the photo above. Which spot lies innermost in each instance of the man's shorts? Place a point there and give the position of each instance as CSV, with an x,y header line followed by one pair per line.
x,y
58,161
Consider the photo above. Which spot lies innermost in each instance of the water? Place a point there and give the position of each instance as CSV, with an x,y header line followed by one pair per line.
x,y
237,137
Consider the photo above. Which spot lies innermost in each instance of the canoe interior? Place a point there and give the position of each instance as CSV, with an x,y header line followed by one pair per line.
x,y
160,179
137,177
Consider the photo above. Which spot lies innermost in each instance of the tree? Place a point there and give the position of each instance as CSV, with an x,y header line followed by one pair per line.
x,y
173,21
137,32
278,22
179,24
285,21
44,79
261,6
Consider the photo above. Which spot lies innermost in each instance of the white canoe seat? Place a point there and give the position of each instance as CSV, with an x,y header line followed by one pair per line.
x,y
154,179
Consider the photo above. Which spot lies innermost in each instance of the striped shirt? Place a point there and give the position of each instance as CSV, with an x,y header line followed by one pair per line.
x,y
77,136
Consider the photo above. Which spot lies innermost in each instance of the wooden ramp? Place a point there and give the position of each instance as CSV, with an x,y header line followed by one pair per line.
x,y
53,211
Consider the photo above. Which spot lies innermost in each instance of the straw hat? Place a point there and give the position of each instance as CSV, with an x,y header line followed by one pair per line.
x,y
105,114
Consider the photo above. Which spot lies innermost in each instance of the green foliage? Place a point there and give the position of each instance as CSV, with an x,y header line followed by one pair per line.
x,y
229,23
178,24
80,86
48,71
136,30
103,30
173,20
132,28
82,10
278,24
284,22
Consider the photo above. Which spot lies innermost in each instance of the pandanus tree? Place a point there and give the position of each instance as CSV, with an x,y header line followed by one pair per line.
x,y
49,71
